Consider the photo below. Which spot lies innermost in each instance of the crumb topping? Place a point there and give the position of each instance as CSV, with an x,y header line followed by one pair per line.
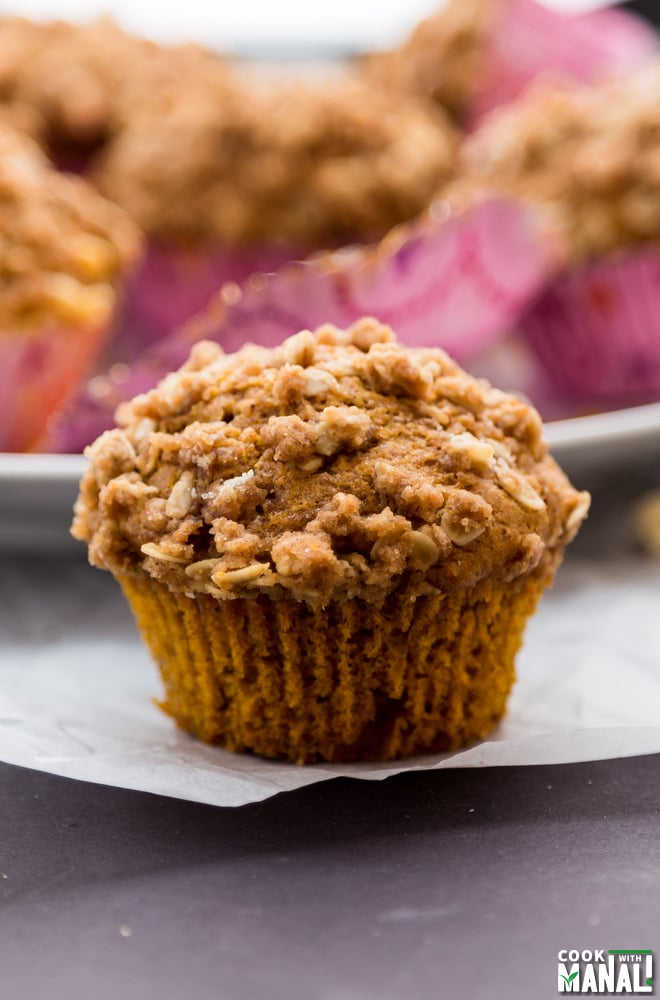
x,y
243,158
332,466
62,245
24,118
439,59
589,157
83,80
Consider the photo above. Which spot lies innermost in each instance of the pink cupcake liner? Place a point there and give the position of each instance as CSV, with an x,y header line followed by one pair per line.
x,y
529,40
596,330
39,373
456,281
175,281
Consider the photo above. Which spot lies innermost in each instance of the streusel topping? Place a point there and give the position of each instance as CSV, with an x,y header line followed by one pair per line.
x,y
440,58
85,79
588,156
245,158
62,245
336,465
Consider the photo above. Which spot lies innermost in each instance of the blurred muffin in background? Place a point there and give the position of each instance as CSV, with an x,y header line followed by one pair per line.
x,y
474,55
245,172
440,58
24,118
82,80
64,251
228,172
589,159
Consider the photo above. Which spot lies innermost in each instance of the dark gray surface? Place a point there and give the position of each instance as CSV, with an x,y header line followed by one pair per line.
x,y
447,884
430,885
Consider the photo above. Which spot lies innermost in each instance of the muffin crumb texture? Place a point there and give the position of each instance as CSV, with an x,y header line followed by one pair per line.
x,y
82,81
243,159
63,247
589,157
337,466
441,56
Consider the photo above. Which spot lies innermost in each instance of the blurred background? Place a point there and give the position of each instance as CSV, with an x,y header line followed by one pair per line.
x,y
253,26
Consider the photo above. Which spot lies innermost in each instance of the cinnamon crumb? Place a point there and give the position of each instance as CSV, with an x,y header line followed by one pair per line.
x,y
234,507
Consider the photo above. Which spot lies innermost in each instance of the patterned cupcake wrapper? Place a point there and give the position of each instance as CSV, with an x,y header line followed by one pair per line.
x,y
528,40
40,371
596,330
346,682
455,280
175,281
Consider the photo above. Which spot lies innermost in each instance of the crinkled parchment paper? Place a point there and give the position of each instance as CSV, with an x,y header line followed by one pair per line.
x,y
77,689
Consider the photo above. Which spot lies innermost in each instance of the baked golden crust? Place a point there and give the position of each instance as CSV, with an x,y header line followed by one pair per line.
x,y
336,466
589,157
243,159
63,247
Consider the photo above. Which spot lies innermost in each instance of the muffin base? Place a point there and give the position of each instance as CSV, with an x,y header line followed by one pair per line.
x,y
349,682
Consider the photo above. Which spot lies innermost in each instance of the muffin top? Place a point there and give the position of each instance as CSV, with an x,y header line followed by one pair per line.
x,y
440,58
83,79
339,464
62,245
589,157
245,157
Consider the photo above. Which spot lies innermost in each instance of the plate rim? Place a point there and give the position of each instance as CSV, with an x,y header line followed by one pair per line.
x,y
600,428
612,426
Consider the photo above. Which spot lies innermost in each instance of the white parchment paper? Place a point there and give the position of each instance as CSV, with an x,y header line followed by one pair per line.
x,y
77,690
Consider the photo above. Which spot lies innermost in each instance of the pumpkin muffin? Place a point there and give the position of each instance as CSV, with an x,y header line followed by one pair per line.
x,y
588,159
331,547
247,171
84,80
64,253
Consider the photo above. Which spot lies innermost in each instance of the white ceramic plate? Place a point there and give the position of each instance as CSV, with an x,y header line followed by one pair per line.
x,y
37,492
